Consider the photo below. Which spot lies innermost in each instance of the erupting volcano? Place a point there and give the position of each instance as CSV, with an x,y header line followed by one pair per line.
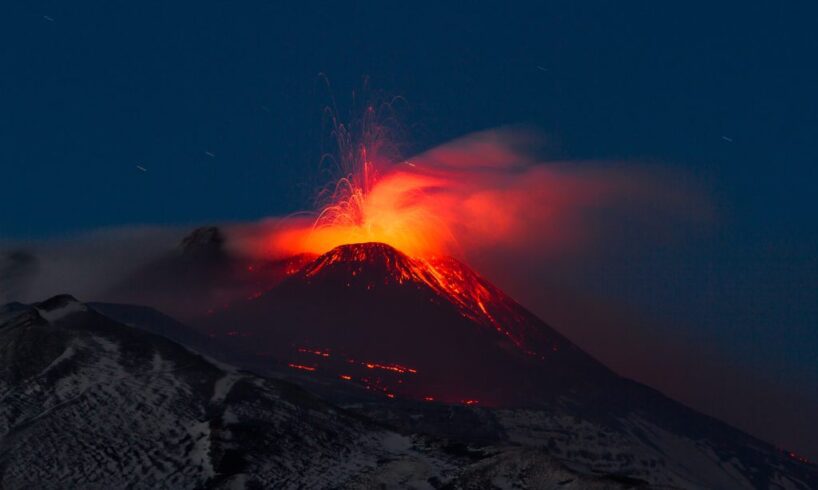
x,y
371,305
385,304
426,344
231,260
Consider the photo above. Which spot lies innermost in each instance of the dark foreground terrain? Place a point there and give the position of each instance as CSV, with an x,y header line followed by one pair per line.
x,y
91,403
94,397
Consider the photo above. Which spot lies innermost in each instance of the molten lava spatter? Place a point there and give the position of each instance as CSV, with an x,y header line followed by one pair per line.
x,y
400,210
375,198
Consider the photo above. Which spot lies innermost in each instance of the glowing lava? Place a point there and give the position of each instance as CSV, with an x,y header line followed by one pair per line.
x,y
424,328
475,298
377,196
399,210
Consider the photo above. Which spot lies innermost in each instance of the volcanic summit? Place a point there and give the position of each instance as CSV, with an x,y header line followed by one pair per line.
x,y
429,329
423,345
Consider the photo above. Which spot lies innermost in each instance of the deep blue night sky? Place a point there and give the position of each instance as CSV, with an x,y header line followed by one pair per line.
x,y
90,90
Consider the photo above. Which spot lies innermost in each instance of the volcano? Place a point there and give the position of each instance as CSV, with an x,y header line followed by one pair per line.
x,y
426,373
426,329
429,346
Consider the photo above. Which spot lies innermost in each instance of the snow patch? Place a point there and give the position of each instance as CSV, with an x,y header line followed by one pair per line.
x,y
60,312
396,443
66,354
223,386
229,417
200,454
693,460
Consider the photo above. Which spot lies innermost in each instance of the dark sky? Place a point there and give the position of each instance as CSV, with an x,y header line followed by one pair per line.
x,y
727,94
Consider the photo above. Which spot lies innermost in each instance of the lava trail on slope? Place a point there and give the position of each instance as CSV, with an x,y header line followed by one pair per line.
x,y
427,329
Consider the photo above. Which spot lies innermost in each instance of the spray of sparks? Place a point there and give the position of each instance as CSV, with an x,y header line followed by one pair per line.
x,y
376,197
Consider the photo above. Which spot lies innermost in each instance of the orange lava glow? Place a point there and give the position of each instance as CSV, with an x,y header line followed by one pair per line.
x,y
487,197
797,457
476,298
316,352
477,192
390,367
374,199
301,367
398,210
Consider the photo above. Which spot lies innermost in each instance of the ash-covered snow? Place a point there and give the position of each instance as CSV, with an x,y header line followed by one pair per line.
x,y
639,448
223,386
86,402
53,313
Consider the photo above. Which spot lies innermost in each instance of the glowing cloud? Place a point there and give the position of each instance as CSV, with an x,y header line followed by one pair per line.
x,y
484,192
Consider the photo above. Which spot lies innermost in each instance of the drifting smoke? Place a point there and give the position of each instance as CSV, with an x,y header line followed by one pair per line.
x,y
85,265
17,270
488,199
487,194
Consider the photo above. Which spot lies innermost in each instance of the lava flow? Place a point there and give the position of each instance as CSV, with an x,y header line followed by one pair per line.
x,y
475,298
424,328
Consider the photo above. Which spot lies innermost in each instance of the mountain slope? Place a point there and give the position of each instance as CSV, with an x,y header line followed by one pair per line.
x,y
412,328
88,400
91,403
366,319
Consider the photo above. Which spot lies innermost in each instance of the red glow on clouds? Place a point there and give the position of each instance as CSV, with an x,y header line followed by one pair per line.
x,y
395,211
483,194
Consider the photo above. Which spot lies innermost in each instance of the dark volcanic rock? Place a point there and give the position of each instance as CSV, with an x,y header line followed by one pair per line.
x,y
402,340
91,403
205,243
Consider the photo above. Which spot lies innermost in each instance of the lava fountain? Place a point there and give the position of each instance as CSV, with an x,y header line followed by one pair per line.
x,y
486,195
413,206
378,198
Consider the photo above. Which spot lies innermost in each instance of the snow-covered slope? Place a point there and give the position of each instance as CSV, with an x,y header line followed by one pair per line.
x,y
86,402
374,330
636,445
